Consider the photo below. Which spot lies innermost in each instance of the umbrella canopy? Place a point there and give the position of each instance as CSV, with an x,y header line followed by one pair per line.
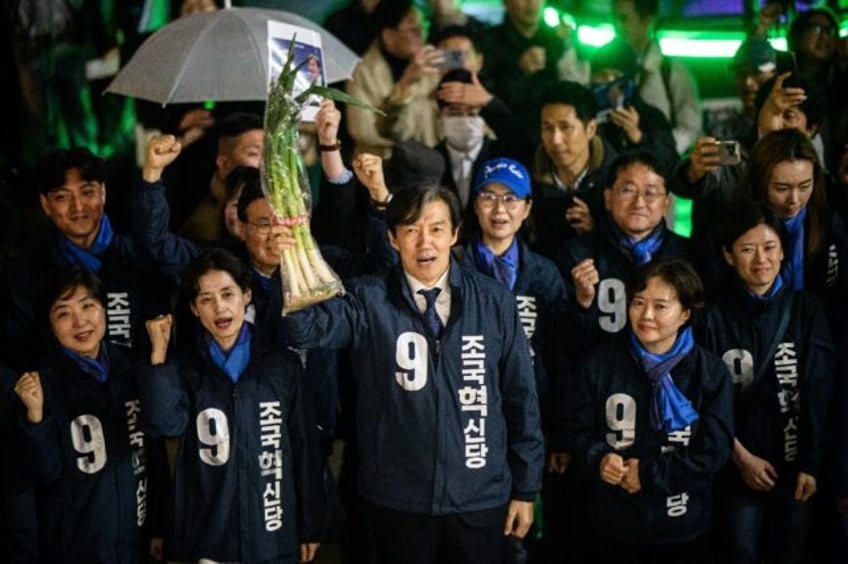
x,y
221,56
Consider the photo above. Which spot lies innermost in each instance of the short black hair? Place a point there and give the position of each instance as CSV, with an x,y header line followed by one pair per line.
x,y
628,158
237,123
456,30
213,259
676,272
746,215
407,205
249,179
390,13
569,93
61,283
50,171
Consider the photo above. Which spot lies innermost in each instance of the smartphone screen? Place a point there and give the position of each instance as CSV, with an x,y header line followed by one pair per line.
x,y
786,63
454,59
729,153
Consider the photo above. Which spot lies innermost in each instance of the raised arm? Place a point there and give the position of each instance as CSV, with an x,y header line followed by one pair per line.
x,y
151,215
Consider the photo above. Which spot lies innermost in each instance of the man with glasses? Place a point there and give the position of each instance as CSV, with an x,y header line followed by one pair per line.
x,y
397,74
596,266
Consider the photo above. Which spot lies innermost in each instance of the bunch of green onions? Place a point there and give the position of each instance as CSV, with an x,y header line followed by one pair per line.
x,y
307,279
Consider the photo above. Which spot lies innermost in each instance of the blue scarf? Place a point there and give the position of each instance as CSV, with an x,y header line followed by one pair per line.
x,y
96,368
776,287
670,409
641,251
504,268
88,259
795,265
234,362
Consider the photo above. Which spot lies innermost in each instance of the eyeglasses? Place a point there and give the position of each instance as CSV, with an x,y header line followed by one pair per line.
x,y
262,227
650,195
490,200
821,29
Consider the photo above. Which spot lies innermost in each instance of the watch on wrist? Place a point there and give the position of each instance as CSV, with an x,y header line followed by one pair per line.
x,y
384,204
330,148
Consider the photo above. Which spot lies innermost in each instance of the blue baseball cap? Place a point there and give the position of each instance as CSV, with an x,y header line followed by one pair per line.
x,y
508,172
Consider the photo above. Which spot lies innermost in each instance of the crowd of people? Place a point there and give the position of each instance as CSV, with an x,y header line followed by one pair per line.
x,y
528,364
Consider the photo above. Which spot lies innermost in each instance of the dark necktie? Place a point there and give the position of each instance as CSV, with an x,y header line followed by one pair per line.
x,y
434,324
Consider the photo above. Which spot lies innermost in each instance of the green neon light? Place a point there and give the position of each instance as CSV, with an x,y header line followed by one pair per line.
x,y
554,18
678,43
551,17
595,36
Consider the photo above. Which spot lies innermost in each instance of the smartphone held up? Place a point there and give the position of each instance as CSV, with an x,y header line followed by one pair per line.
x,y
729,153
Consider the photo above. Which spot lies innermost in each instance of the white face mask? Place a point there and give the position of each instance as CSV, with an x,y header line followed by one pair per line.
x,y
463,133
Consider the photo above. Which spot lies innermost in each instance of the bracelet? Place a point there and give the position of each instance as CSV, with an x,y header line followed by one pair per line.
x,y
384,204
330,148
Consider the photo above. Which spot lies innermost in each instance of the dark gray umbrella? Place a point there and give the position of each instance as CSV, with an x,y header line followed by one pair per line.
x,y
221,56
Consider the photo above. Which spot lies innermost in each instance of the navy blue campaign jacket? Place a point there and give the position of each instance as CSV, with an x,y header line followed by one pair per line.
x,y
540,299
607,315
248,483
445,426
98,480
795,385
608,410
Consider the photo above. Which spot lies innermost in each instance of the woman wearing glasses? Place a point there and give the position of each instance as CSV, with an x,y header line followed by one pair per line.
x,y
812,37
501,201
494,246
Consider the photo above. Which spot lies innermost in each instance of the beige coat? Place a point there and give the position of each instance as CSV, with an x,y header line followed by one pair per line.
x,y
410,114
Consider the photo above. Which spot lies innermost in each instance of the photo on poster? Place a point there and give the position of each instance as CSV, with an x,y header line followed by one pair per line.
x,y
308,55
